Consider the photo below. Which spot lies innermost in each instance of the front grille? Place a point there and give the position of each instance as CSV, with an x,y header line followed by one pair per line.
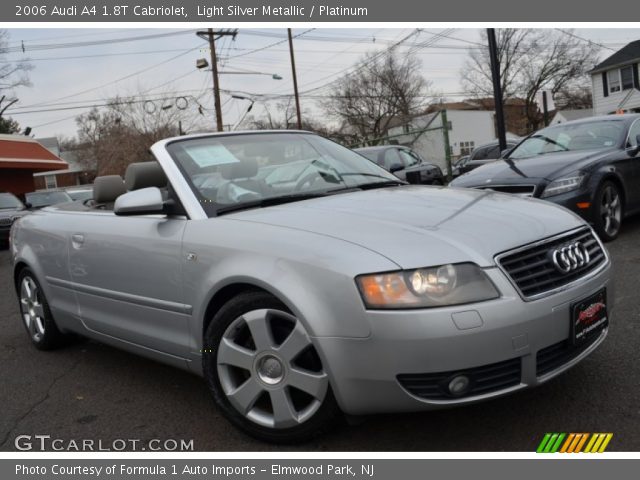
x,y
555,356
6,221
518,190
485,379
531,268
414,178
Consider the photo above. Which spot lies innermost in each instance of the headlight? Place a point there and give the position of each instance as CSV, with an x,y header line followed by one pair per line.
x,y
562,185
426,287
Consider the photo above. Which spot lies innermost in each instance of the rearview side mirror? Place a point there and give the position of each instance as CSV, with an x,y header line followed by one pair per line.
x,y
395,167
146,201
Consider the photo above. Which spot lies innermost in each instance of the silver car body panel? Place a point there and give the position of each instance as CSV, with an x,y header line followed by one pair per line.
x,y
145,283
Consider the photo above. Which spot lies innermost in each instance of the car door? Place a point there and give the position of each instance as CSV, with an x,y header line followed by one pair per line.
x,y
127,273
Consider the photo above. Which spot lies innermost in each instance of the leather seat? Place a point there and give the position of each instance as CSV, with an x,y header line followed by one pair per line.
x,y
241,183
144,175
106,190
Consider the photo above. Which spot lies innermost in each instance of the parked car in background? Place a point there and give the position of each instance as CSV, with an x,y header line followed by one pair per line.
x,y
346,290
589,166
80,193
483,154
458,165
404,163
11,208
46,198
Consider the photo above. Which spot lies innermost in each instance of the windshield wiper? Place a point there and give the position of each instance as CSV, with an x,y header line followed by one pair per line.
x,y
388,183
270,201
551,141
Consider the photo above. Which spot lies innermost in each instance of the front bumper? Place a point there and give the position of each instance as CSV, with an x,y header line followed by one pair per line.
x,y
364,372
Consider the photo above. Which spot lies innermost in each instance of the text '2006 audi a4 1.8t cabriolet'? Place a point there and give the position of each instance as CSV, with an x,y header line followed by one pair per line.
x,y
303,281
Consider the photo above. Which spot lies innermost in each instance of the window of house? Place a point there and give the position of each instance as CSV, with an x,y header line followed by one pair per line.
x,y
620,79
626,77
466,147
50,181
613,77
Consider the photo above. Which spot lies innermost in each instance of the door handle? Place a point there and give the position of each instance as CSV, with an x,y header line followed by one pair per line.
x,y
77,240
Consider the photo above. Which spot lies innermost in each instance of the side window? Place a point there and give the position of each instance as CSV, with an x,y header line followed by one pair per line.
x,y
409,158
480,154
391,157
634,131
494,152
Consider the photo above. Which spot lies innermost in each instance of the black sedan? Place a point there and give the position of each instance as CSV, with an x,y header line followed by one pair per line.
x,y
589,166
11,208
404,163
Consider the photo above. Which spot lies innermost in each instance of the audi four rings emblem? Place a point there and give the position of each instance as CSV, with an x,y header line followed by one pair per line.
x,y
570,257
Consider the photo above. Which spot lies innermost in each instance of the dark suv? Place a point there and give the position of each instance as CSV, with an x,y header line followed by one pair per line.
x,y
404,163
11,208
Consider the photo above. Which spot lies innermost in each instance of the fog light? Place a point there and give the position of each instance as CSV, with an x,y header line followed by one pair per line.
x,y
459,385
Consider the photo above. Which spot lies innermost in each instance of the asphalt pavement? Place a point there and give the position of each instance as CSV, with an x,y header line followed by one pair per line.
x,y
89,391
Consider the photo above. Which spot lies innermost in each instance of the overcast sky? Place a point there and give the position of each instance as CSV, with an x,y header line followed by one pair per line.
x,y
70,74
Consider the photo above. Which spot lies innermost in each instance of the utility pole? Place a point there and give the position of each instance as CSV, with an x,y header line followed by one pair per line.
x,y
545,108
295,79
211,36
497,88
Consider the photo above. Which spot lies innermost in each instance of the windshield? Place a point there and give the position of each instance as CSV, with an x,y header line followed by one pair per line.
x,y
229,172
571,137
44,199
8,201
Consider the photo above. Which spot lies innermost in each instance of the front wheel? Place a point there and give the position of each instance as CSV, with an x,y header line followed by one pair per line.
x,y
608,211
264,372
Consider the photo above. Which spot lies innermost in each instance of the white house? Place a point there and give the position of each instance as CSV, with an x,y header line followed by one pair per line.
x,y
467,129
616,82
563,116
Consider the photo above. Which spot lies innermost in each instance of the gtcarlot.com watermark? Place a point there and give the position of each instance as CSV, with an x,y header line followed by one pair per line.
x,y
47,443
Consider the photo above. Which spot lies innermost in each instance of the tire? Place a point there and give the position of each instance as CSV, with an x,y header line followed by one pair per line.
x,y
36,315
254,352
608,211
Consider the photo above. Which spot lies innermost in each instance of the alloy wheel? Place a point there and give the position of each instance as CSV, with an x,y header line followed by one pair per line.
x,y
611,210
32,309
269,370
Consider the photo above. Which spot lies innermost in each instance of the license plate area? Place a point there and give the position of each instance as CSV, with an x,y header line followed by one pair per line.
x,y
589,317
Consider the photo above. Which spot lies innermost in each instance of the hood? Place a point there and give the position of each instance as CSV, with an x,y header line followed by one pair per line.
x,y
548,167
418,226
12,213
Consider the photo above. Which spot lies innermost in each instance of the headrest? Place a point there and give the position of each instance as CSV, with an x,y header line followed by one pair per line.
x,y
247,168
143,175
107,188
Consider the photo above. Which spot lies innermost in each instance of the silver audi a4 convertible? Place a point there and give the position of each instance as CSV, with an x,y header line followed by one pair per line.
x,y
304,282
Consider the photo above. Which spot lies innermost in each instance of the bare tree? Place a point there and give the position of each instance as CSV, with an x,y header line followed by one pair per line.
x,y
112,138
531,60
384,87
12,75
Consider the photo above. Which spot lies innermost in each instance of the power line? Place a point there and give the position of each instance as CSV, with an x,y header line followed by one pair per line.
x,y
146,69
51,46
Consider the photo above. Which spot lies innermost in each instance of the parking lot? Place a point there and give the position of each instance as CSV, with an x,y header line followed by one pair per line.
x,y
91,391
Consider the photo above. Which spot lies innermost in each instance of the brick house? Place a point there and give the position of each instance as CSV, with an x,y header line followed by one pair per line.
x,y
20,158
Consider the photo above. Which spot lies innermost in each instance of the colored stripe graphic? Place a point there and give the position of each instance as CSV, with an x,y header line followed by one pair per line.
x,y
574,443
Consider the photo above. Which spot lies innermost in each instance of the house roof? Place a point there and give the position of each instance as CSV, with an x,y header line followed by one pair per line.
x,y
575,114
627,54
22,152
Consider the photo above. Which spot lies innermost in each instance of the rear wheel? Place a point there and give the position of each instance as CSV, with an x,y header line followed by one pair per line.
x,y
264,372
608,211
35,313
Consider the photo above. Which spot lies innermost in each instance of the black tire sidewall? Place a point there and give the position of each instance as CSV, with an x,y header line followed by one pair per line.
x,y
324,419
597,221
